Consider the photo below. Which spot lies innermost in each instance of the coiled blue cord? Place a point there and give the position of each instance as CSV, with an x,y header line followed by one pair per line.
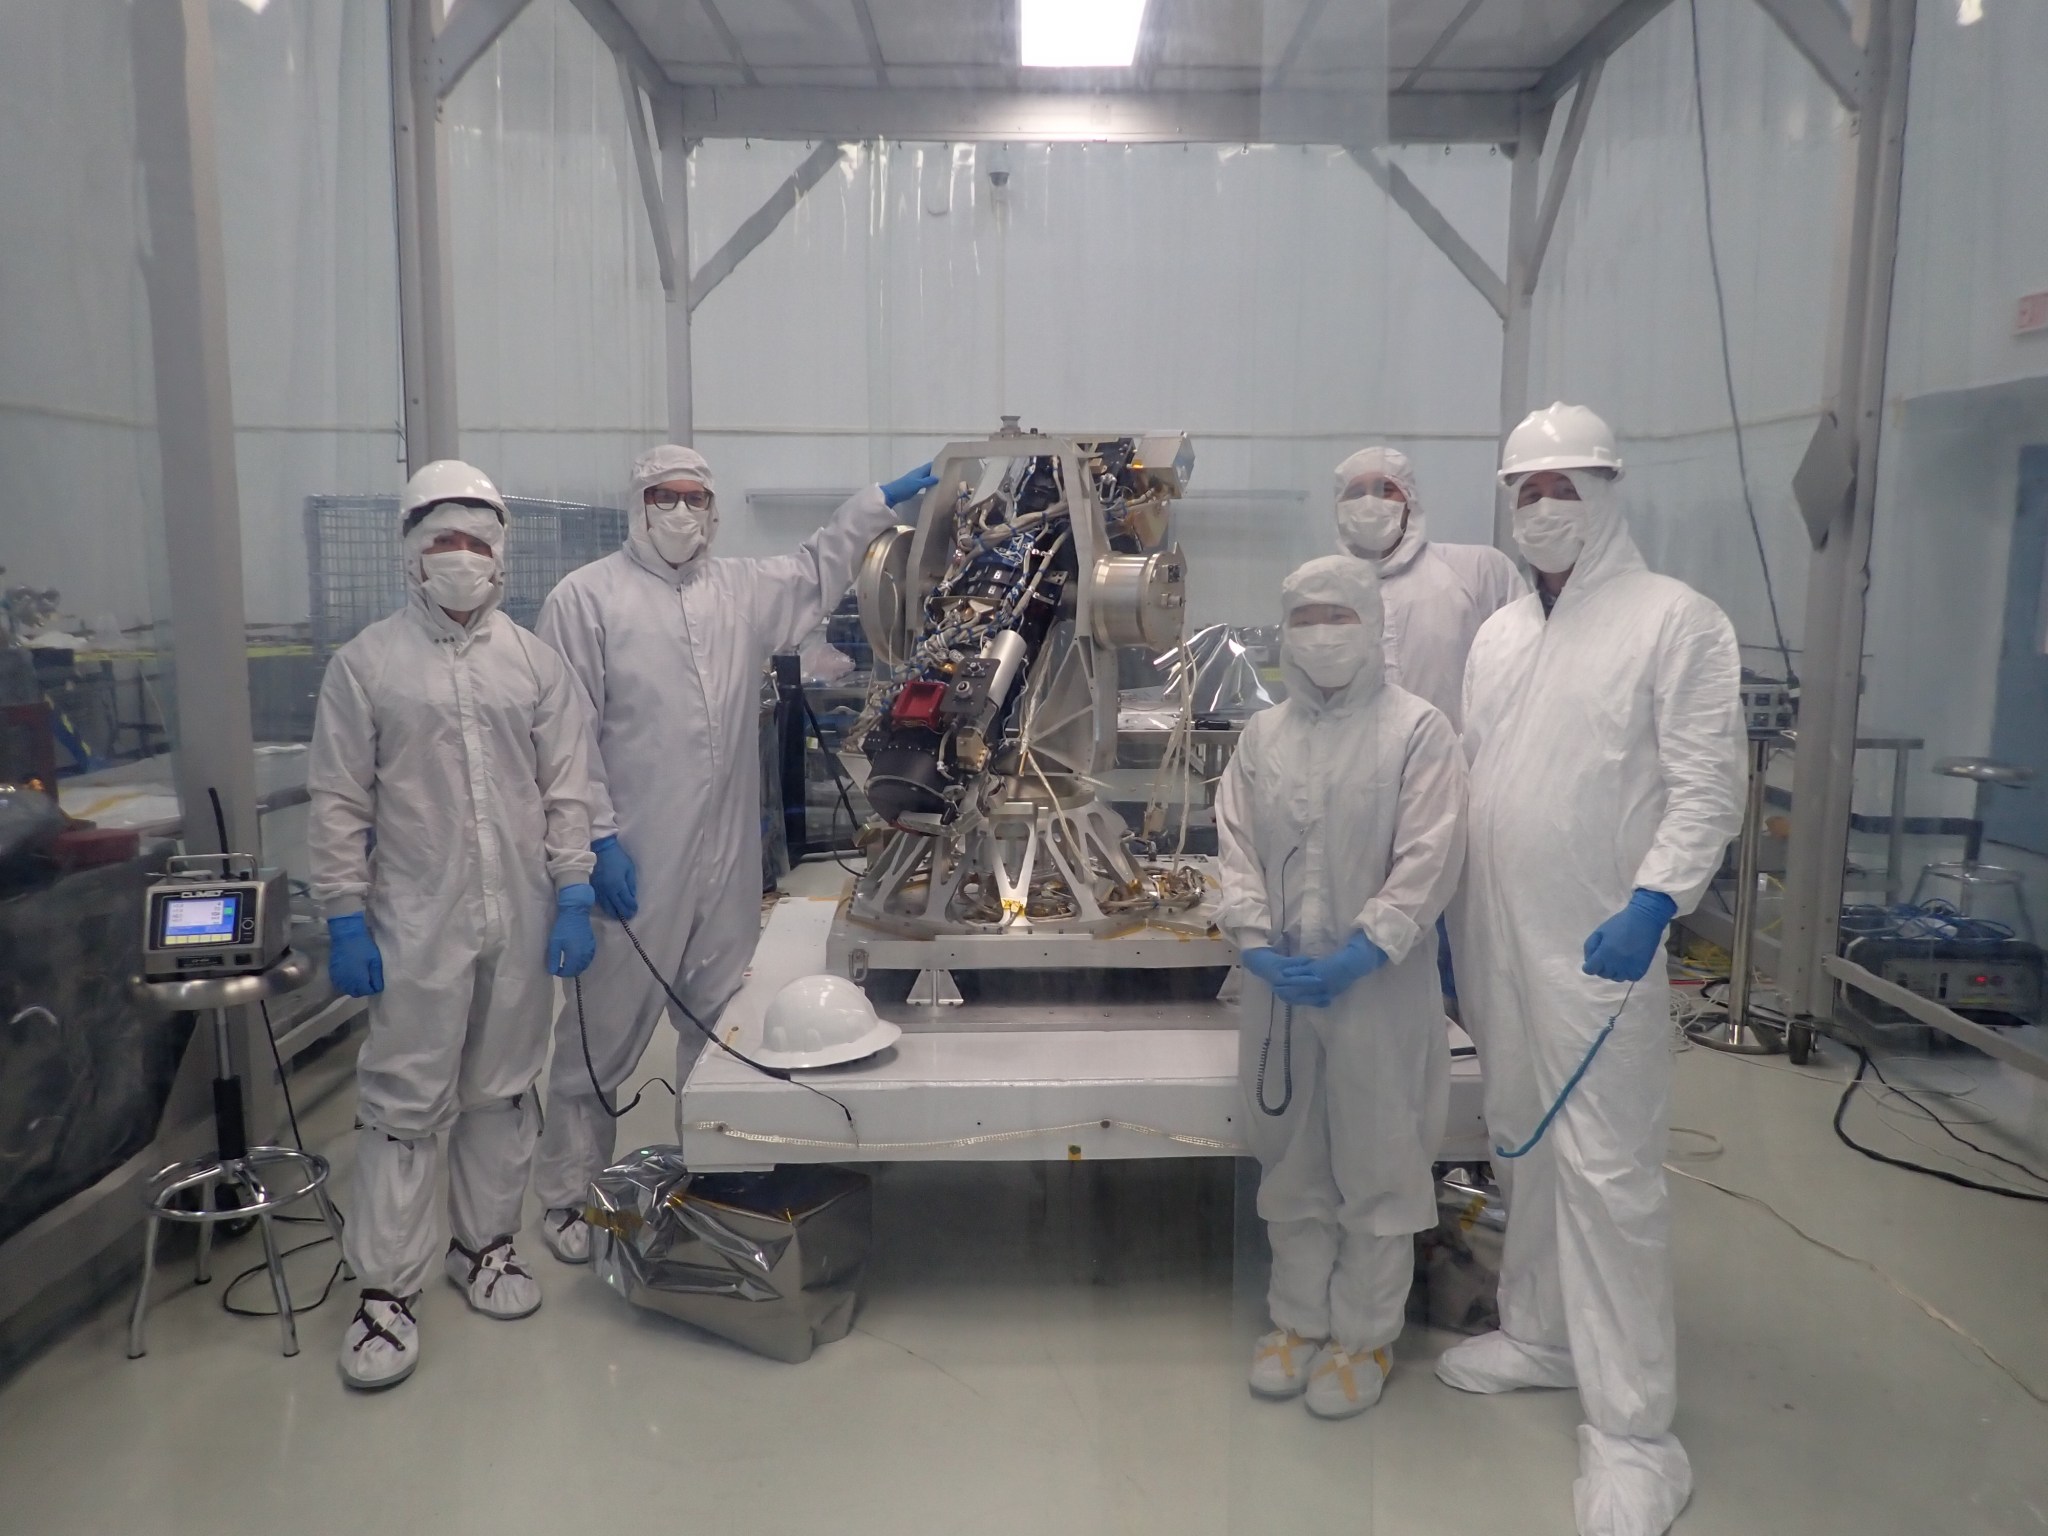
x,y
1572,1082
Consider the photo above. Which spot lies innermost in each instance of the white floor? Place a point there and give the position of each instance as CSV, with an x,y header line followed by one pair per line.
x,y
1060,1349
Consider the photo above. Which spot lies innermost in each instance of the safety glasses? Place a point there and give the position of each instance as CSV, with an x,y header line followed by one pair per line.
x,y
661,496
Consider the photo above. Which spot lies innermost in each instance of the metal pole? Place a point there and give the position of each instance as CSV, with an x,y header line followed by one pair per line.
x,y
1895,841
186,276
426,282
1838,578
675,200
1735,1033
1523,213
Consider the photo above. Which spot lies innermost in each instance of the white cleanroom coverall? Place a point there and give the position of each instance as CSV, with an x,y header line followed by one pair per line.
x,y
1337,814
1606,743
1436,595
465,755
671,659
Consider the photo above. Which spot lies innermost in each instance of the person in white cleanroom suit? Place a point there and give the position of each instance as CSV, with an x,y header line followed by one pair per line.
x,y
453,784
1436,595
1604,728
1341,823
670,643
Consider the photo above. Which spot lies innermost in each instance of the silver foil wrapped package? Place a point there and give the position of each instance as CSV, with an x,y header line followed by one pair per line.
x,y
1458,1262
772,1261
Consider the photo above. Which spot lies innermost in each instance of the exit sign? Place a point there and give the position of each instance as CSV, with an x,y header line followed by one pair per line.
x,y
2033,314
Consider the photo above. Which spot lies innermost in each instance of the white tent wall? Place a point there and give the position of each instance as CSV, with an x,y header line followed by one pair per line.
x,y
303,120
559,310
1267,300
1625,318
79,504
1965,393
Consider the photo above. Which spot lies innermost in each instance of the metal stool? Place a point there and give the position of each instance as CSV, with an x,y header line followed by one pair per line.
x,y
237,1166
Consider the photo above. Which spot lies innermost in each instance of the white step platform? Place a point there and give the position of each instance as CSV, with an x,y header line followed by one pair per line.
x,y
1065,1082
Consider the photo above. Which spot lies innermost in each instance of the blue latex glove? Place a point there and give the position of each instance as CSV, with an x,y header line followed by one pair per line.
x,y
571,944
353,964
1622,948
905,486
1343,968
618,888
1291,977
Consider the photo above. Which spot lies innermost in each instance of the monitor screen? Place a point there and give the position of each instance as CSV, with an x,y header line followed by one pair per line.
x,y
200,919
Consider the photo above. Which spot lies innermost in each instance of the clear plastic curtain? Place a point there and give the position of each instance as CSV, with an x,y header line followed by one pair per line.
x,y
1633,319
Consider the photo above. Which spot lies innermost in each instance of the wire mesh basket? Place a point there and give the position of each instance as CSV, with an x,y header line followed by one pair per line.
x,y
355,561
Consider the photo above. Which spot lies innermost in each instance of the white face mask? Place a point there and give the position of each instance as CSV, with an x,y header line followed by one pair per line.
x,y
459,580
1551,533
1331,654
1370,526
679,534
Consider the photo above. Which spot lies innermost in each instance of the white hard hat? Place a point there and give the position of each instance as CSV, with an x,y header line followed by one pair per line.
x,y
1559,436
447,480
821,1021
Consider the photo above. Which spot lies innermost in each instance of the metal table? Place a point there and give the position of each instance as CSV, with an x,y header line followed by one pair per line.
x,y
1071,1082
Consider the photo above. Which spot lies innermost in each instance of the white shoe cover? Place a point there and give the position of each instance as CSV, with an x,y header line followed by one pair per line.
x,y
382,1344
1280,1363
494,1280
1627,1486
1493,1362
566,1234
1341,1384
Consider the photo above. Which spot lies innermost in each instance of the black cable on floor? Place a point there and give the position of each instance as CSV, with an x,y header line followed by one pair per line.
x,y
226,1295
1950,1131
1863,1065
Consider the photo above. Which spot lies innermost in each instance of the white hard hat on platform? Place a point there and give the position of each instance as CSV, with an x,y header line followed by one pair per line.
x,y
821,1021
1559,436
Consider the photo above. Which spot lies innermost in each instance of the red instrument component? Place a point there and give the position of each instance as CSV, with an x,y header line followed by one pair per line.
x,y
918,704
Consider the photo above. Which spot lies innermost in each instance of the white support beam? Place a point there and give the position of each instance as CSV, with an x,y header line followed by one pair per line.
x,y
1561,168
873,40
1521,286
1451,117
855,113
1311,13
727,41
1444,39
426,281
1819,30
1411,200
675,202
1838,577
762,222
466,36
1607,34
185,276
624,40
650,179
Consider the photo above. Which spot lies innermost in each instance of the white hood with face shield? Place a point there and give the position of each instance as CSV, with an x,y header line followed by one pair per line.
x,y
1604,549
1343,582
1374,528
654,534
487,592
